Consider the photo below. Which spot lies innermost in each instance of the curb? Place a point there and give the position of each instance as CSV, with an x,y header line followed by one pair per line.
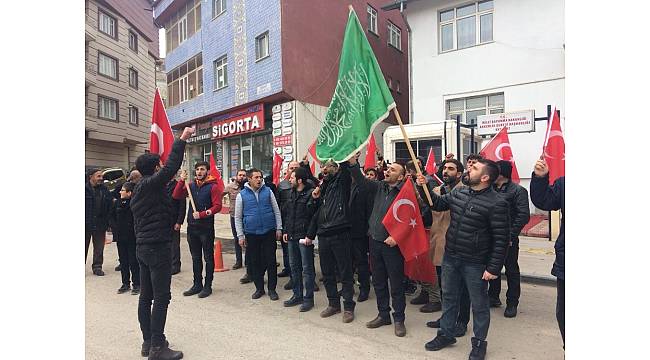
x,y
538,280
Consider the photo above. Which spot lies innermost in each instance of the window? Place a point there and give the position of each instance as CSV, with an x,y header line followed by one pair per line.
x,y
183,24
133,78
262,46
107,24
185,82
372,20
466,25
420,148
107,108
394,36
221,72
133,41
470,108
218,7
107,66
133,115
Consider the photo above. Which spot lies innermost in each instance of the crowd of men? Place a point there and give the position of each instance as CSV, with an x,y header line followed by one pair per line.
x,y
474,222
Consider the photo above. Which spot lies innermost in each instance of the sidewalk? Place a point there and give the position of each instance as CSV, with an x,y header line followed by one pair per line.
x,y
536,255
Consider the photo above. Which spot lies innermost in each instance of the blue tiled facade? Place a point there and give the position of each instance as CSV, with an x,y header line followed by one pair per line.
x,y
217,38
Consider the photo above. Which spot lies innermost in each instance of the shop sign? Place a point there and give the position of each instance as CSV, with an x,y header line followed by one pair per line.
x,y
282,140
287,122
277,132
277,124
246,121
517,122
276,117
287,131
201,137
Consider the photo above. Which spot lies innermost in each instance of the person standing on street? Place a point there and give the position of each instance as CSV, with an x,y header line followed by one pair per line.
x,y
200,225
259,227
98,201
231,190
551,197
517,197
477,241
178,216
151,207
282,196
125,232
360,208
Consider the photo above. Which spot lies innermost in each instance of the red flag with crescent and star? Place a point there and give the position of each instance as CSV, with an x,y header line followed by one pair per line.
x,y
214,172
371,149
431,167
277,168
499,149
161,138
553,149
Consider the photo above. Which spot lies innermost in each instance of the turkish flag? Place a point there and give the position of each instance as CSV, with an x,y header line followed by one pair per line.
x,y
499,149
431,162
421,268
214,172
404,223
553,149
161,138
371,149
277,167
312,152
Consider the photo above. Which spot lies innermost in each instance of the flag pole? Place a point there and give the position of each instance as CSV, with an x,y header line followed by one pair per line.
x,y
187,186
415,160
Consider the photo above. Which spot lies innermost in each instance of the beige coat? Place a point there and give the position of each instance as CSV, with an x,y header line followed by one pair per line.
x,y
437,240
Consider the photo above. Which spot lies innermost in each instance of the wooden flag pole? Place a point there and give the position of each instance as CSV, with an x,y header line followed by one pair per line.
x,y
187,186
415,160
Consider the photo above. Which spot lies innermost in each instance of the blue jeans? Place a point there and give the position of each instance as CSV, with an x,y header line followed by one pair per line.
x,y
454,272
301,259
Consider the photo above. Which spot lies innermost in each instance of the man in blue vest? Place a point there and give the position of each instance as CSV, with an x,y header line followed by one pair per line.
x,y
259,226
200,225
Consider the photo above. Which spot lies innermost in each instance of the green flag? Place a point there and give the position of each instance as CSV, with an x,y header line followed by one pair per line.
x,y
361,99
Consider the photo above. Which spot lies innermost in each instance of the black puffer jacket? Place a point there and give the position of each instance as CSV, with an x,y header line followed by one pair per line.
x,y
550,198
97,220
333,214
151,204
124,221
517,198
178,206
479,231
297,213
360,208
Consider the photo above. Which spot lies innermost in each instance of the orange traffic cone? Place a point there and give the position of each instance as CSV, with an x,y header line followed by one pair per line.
x,y
218,258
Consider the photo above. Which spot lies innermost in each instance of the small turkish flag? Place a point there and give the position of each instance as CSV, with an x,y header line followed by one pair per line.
x,y
371,149
214,172
431,162
499,149
277,167
404,223
161,138
554,148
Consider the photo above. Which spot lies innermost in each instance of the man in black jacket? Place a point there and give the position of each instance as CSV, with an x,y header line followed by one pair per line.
x,y
282,196
549,198
178,216
332,225
360,208
98,206
151,207
517,197
476,243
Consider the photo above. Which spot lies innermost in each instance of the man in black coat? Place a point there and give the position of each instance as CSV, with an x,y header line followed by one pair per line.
x,y
98,207
360,208
152,209
549,198
517,197
476,244
178,216
282,196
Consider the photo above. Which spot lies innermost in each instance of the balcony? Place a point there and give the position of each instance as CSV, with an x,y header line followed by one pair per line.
x,y
91,73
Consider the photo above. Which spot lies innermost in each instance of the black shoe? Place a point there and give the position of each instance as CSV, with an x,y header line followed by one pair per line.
x,y
431,307
195,289
421,299
434,324
118,267
123,289
273,295
257,294
176,271
511,311
284,273
164,353
289,285
245,279
460,329
494,303
136,290
237,266
363,295
98,272
439,342
479,348
293,302
306,306
146,345
400,329
207,290
377,322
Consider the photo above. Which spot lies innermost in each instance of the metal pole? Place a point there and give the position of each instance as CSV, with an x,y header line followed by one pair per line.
x,y
458,154
548,123
445,138
471,141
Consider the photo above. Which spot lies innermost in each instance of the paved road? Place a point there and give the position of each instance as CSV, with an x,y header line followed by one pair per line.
x,y
229,325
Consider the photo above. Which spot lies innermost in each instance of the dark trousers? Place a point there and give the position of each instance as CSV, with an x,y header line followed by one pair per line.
x,y
559,307
454,272
388,264
98,237
512,275
464,304
285,257
336,256
129,266
360,261
201,242
155,278
238,249
260,250
176,250
303,273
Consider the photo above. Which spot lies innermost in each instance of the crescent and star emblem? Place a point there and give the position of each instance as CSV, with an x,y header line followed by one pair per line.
x,y
552,134
399,203
498,150
159,134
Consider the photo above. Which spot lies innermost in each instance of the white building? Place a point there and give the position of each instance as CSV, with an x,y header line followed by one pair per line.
x,y
477,57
